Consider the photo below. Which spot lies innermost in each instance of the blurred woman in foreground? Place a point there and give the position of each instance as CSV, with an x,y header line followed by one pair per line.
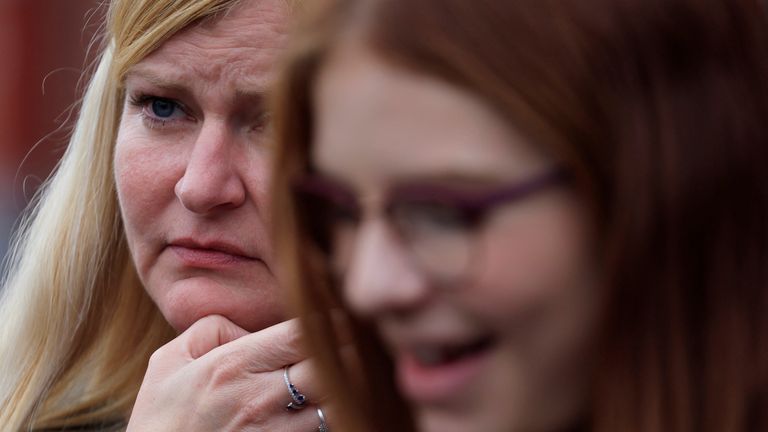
x,y
537,215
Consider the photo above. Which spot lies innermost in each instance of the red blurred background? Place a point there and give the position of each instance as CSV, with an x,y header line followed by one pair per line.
x,y
44,43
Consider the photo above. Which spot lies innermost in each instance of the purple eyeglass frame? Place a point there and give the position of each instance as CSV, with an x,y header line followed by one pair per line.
x,y
472,204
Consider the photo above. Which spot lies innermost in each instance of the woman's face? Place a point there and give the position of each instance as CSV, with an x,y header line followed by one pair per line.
x,y
192,167
503,346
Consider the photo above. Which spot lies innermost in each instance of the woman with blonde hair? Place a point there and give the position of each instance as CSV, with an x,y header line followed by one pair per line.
x,y
536,215
155,223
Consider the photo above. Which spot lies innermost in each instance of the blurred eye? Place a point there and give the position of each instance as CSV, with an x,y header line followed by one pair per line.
x,y
343,213
262,122
331,212
340,219
424,217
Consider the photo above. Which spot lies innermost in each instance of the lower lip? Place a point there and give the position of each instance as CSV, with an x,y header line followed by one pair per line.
x,y
439,383
207,258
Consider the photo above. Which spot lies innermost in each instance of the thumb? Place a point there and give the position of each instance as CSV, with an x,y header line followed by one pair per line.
x,y
208,333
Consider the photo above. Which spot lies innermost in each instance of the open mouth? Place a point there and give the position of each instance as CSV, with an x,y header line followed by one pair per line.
x,y
443,372
443,355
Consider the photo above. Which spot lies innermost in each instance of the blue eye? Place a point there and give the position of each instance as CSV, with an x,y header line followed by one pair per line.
x,y
163,108
160,112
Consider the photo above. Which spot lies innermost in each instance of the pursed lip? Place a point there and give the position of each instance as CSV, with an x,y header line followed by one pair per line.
x,y
209,253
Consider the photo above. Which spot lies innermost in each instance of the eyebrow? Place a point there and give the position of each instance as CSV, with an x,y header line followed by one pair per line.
x,y
156,79
257,97
248,94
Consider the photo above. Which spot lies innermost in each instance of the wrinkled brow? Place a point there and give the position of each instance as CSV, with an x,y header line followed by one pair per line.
x,y
156,79
177,82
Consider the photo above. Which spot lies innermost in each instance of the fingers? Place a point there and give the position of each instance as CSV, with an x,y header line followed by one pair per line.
x,y
266,350
237,377
209,333
304,376
305,380
265,396
199,339
304,420
216,341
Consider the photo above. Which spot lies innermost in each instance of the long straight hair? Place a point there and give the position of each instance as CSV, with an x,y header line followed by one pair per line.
x,y
658,108
77,327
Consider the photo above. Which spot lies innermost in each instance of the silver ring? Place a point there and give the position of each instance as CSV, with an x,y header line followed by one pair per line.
x,y
298,400
323,426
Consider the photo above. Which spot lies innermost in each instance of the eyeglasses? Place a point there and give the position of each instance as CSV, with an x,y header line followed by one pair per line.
x,y
436,224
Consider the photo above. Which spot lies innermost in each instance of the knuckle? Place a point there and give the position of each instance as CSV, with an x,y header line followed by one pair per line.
x,y
210,321
157,358
290,340
225,370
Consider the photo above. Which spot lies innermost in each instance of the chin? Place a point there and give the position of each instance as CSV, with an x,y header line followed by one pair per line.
x,y
464,419
446,422
187,301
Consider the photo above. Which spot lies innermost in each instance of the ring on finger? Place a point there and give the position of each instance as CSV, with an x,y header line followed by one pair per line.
x,y
298,400
323,425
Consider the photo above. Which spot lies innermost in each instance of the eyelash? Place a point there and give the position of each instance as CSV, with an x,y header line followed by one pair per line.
x,y
264,122
141,101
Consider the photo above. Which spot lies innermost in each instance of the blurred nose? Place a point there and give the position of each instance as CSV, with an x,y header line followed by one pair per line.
x,y
211,179
381,278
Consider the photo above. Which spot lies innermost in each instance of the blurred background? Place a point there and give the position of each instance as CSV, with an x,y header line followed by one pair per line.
x,y
44,43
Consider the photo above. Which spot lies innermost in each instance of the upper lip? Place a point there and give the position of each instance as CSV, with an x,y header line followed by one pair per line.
x,y
213,245
413,342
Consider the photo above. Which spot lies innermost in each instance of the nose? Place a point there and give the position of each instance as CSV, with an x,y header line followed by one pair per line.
x,y
381,279
211,179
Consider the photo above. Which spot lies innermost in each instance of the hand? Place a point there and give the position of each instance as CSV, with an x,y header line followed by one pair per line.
x,y
217,377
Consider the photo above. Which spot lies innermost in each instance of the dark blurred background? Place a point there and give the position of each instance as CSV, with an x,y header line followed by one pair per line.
x,y
44,43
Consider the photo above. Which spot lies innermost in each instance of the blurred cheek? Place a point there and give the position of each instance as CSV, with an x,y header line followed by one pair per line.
x,y
530,260
537,287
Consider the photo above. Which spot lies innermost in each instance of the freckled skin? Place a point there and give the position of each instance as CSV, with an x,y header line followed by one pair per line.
x,y
203,173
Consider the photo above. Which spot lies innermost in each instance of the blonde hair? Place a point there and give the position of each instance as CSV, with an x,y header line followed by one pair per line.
x,y
77,326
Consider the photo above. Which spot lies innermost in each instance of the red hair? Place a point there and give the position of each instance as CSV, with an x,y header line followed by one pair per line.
x,y
658,107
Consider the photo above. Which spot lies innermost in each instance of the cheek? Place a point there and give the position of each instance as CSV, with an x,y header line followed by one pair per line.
x,y
258,176
538,261
144,178
539,290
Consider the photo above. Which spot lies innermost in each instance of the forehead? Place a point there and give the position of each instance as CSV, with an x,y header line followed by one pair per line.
x,y
379,123
239,46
